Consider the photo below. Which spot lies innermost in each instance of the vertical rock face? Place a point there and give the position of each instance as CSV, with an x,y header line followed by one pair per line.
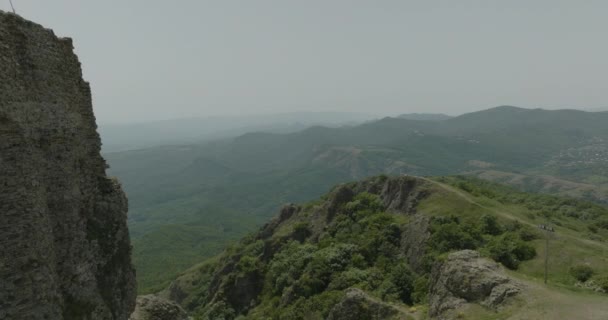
x,y
64,243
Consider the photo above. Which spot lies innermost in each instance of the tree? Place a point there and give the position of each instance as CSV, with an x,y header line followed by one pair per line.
x,y
509,250
490,225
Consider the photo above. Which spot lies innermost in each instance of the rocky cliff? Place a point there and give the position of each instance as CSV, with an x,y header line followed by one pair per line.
x,y
65,244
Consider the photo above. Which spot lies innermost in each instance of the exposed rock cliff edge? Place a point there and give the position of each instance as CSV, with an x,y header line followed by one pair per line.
x,y
65,251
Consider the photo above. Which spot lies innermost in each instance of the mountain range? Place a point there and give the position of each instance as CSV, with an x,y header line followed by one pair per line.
x,y
188,201
131,136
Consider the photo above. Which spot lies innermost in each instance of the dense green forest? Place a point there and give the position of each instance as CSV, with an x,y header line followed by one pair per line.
x,y
189,201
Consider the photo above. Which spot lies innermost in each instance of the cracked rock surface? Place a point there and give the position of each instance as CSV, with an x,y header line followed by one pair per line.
x,y
65,249
465,277
151,307
358,305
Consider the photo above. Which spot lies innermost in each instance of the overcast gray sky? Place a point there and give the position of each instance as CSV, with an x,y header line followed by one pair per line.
x,y
151,59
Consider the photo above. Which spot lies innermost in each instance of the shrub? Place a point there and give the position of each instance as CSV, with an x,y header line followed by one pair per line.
x,y
592,228
301,231
528,234
509,250
348,278
524,251
392,234
358,261
603,223
220,311
421,290
248,264
364,203
581,272
315,307
451,236
309,285
602,282
328,261
490,225
288,265
403,278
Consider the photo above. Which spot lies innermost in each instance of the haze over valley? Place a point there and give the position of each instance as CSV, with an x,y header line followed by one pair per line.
x,y
217,191
314,160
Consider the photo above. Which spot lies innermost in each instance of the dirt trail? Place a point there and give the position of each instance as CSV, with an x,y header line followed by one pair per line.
x,y
546,303
539,301
504,213
469,199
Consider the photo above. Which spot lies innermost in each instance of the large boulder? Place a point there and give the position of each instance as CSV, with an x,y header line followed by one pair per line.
x,y
464,277
151,307
358,305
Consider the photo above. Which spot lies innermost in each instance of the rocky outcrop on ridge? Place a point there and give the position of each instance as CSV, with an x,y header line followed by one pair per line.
x,y
358,305
464,278
151,307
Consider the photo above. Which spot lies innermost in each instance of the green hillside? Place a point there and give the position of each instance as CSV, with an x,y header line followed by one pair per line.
x,y
386,238
237,183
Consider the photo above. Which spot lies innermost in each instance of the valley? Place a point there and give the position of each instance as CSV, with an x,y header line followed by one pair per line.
x,y
189,201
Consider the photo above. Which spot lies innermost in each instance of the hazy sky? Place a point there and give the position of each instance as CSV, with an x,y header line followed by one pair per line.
x,y
149,59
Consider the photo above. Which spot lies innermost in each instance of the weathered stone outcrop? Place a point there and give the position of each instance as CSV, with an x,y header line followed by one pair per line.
x,y
464,278
65,249
414,240
358,305
399,195
151,307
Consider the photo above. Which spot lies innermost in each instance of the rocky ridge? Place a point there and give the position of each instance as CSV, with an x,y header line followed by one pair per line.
x,y
328,250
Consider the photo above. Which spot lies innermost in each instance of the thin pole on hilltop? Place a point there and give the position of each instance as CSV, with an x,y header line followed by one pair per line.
x,y
12,7
547,229
547,256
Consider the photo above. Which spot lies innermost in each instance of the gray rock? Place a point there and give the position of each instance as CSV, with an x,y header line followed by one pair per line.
x,y
403,194
358,305
414,240
151,307
464,278
65,251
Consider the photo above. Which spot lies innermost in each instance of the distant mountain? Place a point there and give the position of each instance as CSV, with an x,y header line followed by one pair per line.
x,y
239,182
130,136
425,116
509,118
597,109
